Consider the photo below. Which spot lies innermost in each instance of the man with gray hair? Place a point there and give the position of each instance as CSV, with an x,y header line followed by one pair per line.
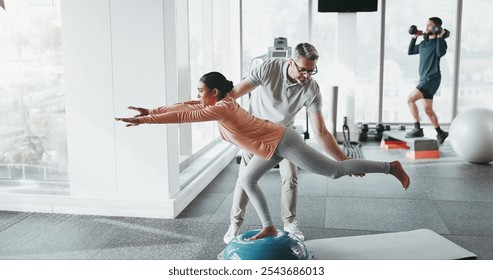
x,y
285,86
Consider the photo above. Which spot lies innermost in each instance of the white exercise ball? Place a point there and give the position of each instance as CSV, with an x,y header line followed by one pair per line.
x,y
471,135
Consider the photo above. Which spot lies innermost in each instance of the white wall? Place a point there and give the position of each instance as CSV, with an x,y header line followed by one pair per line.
x,y
88,84
114,58
139,79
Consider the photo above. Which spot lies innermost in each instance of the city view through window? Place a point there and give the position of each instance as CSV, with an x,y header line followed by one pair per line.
x,y
33,142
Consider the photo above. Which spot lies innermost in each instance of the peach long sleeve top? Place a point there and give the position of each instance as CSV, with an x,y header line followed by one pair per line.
x,y
237,126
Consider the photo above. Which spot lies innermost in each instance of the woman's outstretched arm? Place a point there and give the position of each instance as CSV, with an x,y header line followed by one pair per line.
x,y
179,113
164,109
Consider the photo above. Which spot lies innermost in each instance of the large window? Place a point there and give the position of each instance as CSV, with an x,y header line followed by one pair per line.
x,y
476,65
199,25
265,20
209,48
33,143
366,58
201,38
401,69
324,31
367,67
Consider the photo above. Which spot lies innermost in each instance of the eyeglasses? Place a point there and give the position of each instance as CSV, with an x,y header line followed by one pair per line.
x,y
304,72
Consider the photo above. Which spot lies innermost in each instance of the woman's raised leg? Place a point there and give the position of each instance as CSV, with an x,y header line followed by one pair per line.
x,y
293,148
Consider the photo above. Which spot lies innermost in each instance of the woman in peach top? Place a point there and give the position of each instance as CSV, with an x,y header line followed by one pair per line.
x,y
269,142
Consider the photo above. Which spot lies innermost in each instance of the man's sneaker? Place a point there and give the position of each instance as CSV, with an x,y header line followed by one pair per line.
x,y
416,132
441,137
293,228
232,232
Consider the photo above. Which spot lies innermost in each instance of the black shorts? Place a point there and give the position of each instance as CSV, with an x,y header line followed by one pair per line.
x,y
429,85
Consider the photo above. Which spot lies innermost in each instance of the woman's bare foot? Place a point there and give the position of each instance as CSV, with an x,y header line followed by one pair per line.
x,y
266,231
399,173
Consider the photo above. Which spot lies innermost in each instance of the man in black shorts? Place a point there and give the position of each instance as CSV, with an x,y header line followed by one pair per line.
x,y
430,50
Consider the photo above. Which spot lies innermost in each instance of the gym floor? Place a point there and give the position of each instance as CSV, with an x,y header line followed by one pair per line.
x,y
448,195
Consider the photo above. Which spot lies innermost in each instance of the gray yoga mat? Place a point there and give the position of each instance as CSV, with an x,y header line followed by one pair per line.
x,y
421,244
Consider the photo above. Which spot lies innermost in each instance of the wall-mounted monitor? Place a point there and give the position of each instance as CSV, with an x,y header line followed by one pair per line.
x,y
347,6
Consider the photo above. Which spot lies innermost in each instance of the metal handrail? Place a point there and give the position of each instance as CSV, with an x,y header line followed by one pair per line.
x,y
24,165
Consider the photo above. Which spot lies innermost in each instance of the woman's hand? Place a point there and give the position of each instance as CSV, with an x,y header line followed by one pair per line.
x,y
135,120
142,111
130,121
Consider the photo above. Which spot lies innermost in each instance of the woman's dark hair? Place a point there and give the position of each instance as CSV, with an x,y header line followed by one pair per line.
x,y
217,80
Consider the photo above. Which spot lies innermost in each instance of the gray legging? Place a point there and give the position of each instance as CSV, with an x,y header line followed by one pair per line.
x,y
293,148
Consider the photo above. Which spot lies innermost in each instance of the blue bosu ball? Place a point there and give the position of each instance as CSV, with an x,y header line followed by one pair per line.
x,y
283,246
